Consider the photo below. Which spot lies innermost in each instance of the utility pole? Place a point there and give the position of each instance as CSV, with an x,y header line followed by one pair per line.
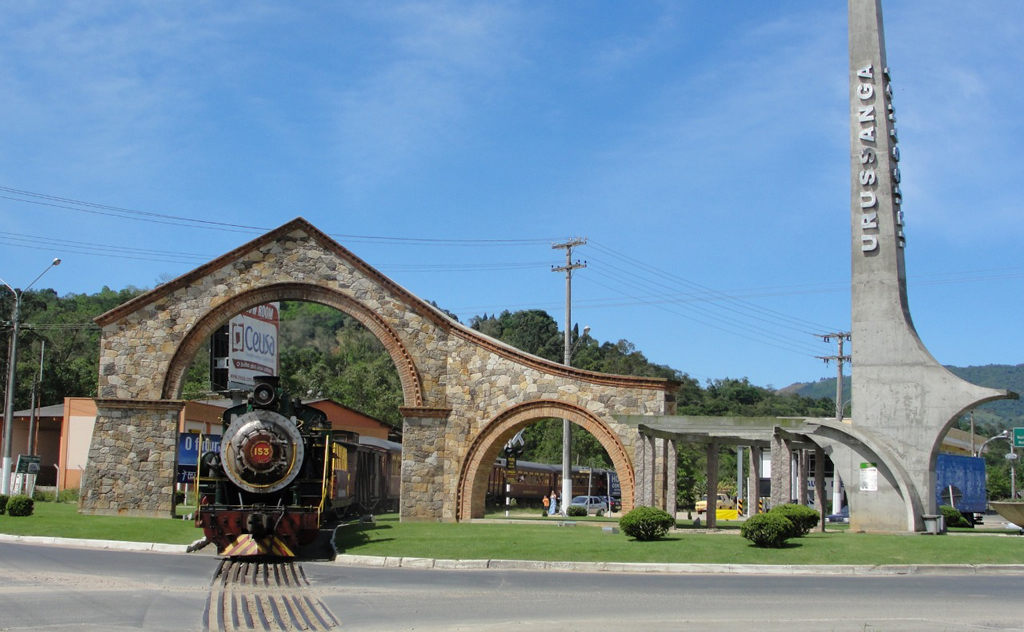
x,y
566,424
841,337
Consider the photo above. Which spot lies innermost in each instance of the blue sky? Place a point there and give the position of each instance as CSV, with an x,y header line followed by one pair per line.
x,y
702,148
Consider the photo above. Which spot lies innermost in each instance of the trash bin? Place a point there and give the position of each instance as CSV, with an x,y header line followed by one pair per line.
x,y
934,524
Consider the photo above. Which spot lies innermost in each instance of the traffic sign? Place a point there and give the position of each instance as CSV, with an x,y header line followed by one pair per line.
x,y
1018,437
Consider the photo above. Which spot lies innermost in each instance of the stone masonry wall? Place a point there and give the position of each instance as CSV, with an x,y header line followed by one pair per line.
x,y
132,459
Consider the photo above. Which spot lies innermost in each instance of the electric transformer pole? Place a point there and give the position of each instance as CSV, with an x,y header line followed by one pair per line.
x,y
566,424
841,337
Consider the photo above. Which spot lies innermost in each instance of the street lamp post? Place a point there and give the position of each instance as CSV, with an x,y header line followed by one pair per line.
x,y
5,481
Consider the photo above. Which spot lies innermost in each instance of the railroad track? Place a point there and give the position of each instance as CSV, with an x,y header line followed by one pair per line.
x,y
263,595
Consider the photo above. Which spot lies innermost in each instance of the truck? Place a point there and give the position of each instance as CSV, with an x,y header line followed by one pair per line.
x,y
960,483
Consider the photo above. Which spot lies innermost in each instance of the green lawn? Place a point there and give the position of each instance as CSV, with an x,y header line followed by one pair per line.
x,y
542,539
527,541
62,520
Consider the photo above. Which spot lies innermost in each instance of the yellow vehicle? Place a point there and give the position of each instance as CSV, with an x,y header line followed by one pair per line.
x,y
724,502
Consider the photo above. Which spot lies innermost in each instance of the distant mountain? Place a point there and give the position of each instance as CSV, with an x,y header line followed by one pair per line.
x,y
993,416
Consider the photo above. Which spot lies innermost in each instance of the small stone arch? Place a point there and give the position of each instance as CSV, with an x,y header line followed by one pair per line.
x,y
472,486
412,387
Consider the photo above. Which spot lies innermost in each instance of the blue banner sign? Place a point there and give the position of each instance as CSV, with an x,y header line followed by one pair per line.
x,y
188,453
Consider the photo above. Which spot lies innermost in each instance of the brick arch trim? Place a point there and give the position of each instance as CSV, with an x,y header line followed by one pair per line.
x,y
412,386
472,486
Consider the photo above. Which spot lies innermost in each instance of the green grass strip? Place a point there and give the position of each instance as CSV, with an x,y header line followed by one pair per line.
x,y
548,542
62,520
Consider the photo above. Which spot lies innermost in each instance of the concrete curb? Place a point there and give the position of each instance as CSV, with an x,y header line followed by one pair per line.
x,y
681,569
578,567
111,545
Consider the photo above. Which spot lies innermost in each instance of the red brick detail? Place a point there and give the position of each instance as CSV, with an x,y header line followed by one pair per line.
x,y
472,486
412,386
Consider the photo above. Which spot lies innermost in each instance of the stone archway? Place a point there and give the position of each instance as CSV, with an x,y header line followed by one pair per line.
x,y
412,387
454,379
489,442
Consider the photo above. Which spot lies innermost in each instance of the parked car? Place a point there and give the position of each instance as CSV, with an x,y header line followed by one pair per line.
x,y
724,502
614,503
842,516
592,504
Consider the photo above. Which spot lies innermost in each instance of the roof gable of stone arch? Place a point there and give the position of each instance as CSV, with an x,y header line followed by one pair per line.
x,y
142,337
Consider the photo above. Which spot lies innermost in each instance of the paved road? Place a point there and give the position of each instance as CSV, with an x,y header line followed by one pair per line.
x,y
54,589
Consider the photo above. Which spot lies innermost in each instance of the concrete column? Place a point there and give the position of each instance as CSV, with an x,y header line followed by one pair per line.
x,y
664,471
753,480
671,469
650,453
803,467
782,482
819,484
712,485
639,493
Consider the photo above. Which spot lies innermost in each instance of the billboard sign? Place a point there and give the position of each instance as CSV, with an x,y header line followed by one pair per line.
x,y
253,350
188,453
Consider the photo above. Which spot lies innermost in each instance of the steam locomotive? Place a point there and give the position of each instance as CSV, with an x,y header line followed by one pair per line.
x,y
282,472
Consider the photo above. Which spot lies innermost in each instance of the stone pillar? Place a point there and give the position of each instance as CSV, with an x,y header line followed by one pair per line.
x,y
754,480
671,470
802,468
782,462
132,459
423,472
819,484
712,515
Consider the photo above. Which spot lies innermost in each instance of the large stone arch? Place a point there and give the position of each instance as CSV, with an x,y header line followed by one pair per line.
x,y
496,433
412,387
454,379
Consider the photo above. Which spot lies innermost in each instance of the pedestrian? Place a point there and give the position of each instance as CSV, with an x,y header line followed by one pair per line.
x,y
546,502
553,507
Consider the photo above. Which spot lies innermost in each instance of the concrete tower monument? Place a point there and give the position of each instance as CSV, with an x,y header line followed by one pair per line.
x,y
903,400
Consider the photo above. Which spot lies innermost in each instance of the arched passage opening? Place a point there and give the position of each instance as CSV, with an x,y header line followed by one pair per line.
x,y
412,388
476,467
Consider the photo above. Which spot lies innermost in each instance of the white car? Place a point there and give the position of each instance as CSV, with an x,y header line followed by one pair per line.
x,y
592,504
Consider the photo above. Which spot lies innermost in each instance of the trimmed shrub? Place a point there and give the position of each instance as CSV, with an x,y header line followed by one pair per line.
x,y
575,511
20,506
646,523
3,503
953,517
767,530
803,518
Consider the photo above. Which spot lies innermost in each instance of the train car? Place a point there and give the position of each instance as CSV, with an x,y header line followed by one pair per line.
x,y
533,481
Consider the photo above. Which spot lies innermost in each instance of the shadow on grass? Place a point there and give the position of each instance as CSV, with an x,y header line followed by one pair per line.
x,y
357,534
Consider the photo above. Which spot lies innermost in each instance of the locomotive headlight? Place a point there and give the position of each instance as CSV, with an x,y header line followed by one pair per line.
x,y
264,395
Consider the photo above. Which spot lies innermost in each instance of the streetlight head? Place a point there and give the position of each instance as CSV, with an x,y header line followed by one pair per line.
x,y
56,261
